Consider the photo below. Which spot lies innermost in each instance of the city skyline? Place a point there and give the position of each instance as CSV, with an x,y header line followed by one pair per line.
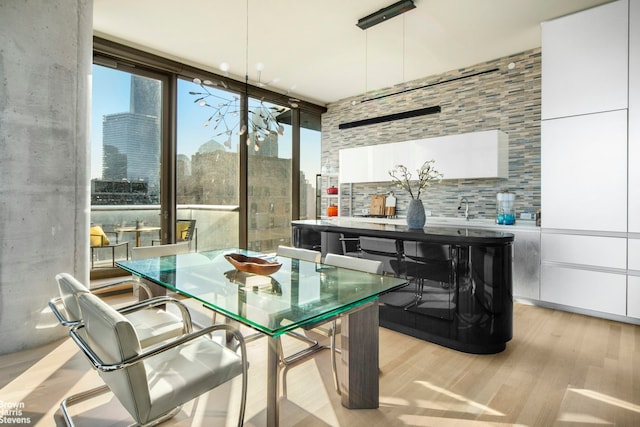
x,y
112,95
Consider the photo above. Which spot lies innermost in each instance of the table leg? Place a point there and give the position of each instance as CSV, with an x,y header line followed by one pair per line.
x,y
273,404
360,348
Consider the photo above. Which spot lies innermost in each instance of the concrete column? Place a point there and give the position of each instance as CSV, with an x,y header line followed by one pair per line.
x,y
45,71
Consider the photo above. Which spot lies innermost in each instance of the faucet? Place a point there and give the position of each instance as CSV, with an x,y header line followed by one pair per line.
x,y
466,207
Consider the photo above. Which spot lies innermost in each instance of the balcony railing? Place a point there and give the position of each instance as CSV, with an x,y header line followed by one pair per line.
x,y
217,226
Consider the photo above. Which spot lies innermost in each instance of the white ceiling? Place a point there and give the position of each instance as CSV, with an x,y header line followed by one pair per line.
x,y
312,49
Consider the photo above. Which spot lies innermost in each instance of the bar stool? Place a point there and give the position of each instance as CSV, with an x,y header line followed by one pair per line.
x,y
430,266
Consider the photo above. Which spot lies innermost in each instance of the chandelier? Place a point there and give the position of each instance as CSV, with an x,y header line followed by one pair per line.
x,y
262,119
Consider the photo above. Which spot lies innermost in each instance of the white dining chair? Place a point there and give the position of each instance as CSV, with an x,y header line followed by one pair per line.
x,y
152,384
142,252
153,323
341,261
314,346
299,253
353,263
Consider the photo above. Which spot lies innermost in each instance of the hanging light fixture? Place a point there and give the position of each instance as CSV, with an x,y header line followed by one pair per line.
x,y
376,18
262,119
385,14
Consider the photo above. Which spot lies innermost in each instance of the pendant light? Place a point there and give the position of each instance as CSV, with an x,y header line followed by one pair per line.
x,y
262,119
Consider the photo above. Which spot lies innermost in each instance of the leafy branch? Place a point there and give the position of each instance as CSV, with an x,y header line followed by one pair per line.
x,y
427,173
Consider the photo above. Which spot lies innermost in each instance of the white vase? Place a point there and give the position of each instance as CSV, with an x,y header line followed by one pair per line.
x,y
415,214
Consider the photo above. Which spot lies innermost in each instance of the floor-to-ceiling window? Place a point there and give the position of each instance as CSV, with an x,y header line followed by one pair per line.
x,y
310,159
203,168
126,160
269,178
207,185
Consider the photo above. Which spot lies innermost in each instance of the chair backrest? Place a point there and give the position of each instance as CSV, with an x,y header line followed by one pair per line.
x,y
70,288
185,229
360,264
141,252
113,339
382,249
429,260
350,244
299,253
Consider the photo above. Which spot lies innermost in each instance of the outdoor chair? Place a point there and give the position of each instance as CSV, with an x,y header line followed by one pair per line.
x,y
99,240
186,231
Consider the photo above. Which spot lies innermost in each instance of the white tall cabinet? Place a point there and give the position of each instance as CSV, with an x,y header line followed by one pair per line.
x,y
584,172
633,286
589,191
584,62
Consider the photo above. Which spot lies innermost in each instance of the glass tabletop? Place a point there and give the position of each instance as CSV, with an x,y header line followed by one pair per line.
x,y
300,293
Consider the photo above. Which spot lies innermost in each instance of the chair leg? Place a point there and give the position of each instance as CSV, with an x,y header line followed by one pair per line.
x,y
162,418
334,350
245,380
303,355
285,364
283,367
88,394
419,290
77,398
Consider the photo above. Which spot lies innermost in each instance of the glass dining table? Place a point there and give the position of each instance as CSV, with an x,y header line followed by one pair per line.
x,y
300,293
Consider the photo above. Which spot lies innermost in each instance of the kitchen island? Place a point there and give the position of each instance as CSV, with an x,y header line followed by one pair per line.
x,y
460,294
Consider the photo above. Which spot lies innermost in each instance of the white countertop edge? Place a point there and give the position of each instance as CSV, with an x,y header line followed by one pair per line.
x,y
521,225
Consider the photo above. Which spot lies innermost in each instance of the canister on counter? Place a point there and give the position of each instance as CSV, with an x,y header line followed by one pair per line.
x,y
505,208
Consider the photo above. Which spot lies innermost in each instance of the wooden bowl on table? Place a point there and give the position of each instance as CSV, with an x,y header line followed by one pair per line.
x,y
253,265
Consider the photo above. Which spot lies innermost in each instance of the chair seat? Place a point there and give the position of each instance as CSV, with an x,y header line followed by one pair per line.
x,y
399,298
202,364
155,325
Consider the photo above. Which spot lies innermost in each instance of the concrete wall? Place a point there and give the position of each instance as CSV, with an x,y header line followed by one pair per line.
x,y
45,67
508,99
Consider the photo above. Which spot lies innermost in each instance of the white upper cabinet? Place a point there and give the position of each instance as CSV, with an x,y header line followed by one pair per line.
x,y
585,61
584,172
482,154
634,117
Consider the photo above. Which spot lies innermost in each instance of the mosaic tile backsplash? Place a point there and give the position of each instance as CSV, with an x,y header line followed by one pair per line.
x,y
506,99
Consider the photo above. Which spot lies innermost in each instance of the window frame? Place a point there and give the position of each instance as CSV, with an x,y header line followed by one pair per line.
x,y
115,55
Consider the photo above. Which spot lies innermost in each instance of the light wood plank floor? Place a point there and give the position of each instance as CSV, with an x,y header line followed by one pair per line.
x,y
561,369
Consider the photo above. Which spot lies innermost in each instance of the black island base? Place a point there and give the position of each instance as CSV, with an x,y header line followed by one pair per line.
x,y
460,290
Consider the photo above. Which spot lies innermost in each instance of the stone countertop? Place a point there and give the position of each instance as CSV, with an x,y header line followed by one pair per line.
x,y
482,223
396,228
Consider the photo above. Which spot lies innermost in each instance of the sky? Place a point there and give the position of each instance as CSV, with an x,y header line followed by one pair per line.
x,y
110,94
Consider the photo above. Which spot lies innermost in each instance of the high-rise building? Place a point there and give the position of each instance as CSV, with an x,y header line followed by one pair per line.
x,y
131,140
145,96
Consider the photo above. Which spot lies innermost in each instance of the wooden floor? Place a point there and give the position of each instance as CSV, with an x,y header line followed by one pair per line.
x,y
560,369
